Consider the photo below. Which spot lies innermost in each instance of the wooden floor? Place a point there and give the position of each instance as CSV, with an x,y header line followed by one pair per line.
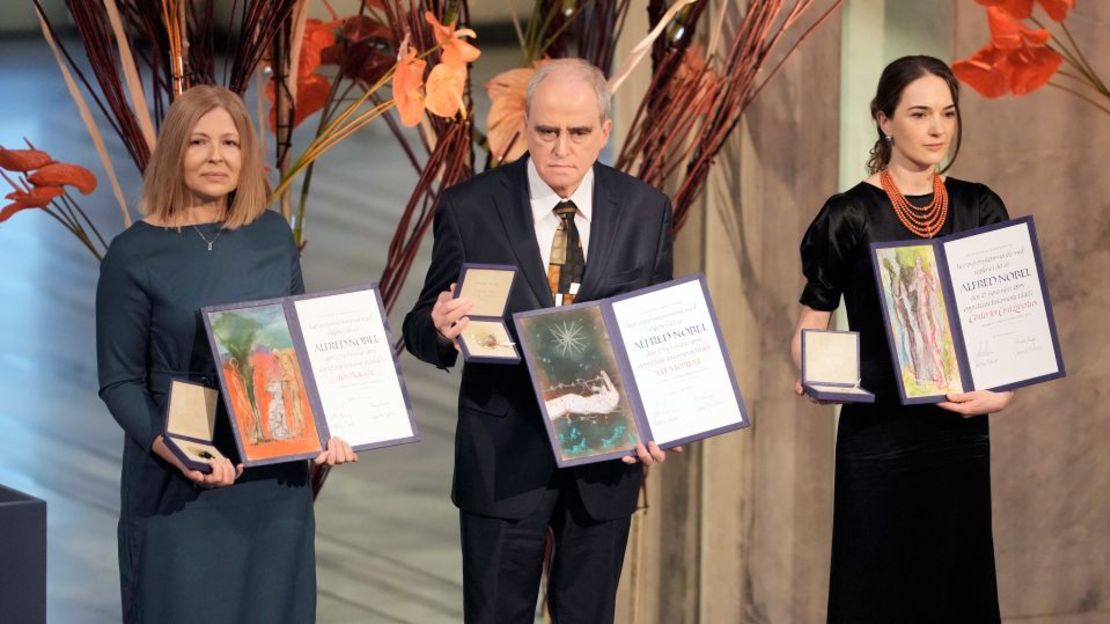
x,y
387,537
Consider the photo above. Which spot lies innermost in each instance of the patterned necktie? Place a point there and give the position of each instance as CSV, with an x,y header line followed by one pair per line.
x,y
564,270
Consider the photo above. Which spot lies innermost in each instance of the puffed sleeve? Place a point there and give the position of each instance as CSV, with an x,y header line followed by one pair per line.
x,y
828,248
122,343
991,208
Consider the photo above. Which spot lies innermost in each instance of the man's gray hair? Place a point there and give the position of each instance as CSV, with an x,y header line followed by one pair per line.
x,y
575,67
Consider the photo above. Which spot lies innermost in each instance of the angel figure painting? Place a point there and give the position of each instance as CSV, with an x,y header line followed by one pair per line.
x,y
265,390
572,360
919,329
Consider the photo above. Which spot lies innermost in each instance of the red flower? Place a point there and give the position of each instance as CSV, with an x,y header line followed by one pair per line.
x,y
38,197
318,35
23,160
59,174
1017,60
364,54
312,88
1022,9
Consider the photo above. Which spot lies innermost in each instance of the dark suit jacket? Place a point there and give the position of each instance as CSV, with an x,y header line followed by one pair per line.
x,y
503,460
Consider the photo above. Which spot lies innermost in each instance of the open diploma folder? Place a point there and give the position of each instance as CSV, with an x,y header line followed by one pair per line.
x,y
191,424
830,366
486,338
968,311
297,370
648,365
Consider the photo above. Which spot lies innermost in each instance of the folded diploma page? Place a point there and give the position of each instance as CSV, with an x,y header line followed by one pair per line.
x,y
644,366
297,370
191,424
968,311
486,338
830,366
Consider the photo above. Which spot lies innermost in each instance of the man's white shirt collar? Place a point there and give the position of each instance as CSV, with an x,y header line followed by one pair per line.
x,y
543,198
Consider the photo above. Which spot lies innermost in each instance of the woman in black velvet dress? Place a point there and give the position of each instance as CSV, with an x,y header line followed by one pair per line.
x,y
232,546
912,535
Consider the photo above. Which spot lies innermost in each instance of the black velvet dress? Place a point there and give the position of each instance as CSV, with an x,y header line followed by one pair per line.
x,y
912,535
239,554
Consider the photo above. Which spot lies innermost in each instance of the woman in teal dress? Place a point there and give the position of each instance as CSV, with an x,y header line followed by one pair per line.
x,y
235,545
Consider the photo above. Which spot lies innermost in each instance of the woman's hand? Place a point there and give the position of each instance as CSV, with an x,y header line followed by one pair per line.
x,y
338,452
223,473
800,391
977,402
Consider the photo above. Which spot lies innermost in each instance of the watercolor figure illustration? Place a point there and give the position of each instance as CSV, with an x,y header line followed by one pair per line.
x,y
265,388
583,393
922,337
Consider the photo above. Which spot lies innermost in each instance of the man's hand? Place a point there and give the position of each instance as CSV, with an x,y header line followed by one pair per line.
x,y
649,455
449,314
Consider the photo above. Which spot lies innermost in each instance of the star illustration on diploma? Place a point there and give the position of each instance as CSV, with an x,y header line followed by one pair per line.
x,y
569,338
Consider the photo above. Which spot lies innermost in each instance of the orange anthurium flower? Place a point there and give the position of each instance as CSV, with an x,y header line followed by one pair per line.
x,y
1031,68
505,121
318,35
1008,33
984,71
1017,9
1017,60
38,197
23,160
1057,9
312,94
312,88
408,82
1021,9
453,51
58,174
10,210
445,89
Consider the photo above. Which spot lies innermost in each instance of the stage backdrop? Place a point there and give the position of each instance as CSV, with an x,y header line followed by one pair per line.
x,y
1045,153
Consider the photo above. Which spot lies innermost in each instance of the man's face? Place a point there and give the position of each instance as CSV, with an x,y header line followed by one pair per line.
x,y
564,131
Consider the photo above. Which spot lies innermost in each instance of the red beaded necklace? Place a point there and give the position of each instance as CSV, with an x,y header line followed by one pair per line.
x,y
925,221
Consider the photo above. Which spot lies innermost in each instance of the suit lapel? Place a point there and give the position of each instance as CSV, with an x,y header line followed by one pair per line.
x,y
516,215
606,217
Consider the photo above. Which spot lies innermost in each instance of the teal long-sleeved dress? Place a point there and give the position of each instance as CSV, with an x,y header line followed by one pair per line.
x,y
239,554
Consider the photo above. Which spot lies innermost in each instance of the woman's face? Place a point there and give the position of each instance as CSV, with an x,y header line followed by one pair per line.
x,y
212,157
923,125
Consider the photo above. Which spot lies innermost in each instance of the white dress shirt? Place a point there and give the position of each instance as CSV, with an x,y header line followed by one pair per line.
x,y
543,200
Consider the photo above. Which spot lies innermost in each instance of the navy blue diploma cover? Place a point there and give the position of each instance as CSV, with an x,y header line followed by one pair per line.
x,y
969,311
649,365
295,371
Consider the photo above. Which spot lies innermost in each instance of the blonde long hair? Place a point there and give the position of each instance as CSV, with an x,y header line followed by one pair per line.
x,y
165,196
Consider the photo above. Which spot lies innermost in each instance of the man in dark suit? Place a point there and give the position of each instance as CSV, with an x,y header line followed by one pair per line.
x,y
577,230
